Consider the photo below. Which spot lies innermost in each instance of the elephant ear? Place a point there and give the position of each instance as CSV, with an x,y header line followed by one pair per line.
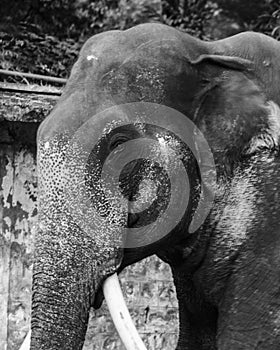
x,y
231,62
231,110
269,139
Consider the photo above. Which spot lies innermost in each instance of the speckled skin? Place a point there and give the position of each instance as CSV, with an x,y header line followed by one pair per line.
x,y
227,272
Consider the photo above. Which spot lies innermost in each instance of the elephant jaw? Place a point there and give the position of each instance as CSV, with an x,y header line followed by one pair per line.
x,y
119,313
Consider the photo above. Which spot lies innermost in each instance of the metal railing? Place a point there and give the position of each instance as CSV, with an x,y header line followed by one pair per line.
x,y
33,76
30,87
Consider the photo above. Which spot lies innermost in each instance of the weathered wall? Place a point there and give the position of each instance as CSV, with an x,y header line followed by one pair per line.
x,y
18,214
148,286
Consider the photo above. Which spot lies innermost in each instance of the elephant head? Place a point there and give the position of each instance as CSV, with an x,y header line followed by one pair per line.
x,y
145,153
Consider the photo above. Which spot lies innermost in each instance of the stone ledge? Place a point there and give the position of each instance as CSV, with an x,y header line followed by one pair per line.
x,y
26,103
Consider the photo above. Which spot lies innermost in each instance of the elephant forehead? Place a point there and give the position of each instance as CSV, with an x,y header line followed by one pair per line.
x,y
113,50
123,67
157,71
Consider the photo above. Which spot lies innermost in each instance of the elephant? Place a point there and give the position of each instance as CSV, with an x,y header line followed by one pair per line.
x,y
226,263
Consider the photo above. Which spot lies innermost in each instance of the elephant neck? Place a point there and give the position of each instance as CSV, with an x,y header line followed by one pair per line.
x,y
197,317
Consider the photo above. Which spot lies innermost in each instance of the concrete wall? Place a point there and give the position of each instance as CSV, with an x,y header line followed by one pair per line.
x,y
148,286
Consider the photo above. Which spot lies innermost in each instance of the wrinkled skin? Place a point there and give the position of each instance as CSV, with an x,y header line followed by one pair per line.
x,y
227,272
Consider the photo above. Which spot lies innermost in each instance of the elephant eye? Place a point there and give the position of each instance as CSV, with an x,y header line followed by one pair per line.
x,y
117,140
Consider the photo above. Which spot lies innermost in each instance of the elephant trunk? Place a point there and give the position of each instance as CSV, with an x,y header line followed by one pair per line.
x,y
64,282
117,308
61,326
68,269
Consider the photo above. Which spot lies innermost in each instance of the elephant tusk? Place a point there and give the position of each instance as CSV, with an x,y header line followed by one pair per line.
x,y
120,314
26,343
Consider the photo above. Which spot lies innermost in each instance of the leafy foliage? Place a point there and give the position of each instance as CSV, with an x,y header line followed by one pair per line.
x,y
189,15
28,51
122,14
261,16
269,21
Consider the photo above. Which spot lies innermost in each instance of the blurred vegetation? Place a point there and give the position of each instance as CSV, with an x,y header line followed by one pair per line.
x,y
45,36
